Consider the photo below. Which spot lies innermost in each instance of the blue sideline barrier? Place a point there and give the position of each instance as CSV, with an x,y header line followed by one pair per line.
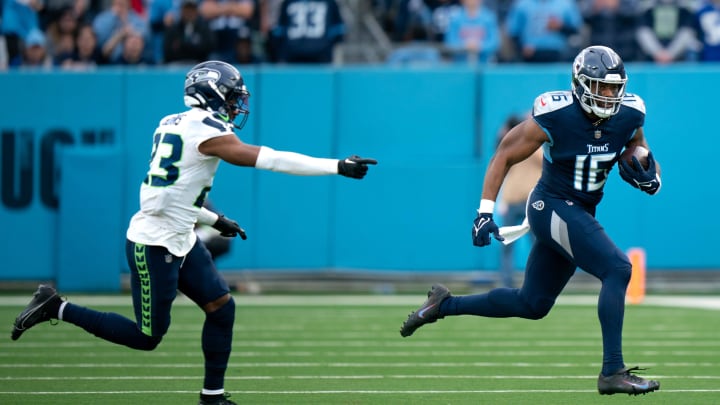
x,y
432,129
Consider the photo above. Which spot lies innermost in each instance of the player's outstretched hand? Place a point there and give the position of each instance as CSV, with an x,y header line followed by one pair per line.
x,y
354,166
229,228
483,226
646,180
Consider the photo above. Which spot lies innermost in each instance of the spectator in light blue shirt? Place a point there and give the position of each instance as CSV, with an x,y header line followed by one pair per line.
x,y
18,19
113,25
540,29
473,34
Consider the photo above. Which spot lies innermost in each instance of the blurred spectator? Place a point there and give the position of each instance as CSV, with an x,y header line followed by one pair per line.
x,y
269,15
416,49
35,54
229,21
19,18
113,25
708,30
161,15
189,40
666,31
54,9
61,34
440,11
473,34
308,30
540,29
86,54
410,14
133,51
613,23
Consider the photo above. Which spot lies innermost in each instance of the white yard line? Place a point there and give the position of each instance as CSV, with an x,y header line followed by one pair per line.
x,y
684,301
238,393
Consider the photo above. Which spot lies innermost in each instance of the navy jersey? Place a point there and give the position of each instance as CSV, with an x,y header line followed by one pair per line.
x,y
308,30
580,154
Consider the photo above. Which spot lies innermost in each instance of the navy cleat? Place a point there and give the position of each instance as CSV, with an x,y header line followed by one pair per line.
x,y
625,382
221,399
429,312
43,307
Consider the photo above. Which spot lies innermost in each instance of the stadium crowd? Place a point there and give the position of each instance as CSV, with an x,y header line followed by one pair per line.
x,y
80,34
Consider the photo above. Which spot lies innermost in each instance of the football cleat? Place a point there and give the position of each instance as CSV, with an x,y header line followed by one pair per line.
x,y
221,399
429,312
43,307
625,382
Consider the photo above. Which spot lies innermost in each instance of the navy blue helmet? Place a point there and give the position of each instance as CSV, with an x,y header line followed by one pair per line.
x,y
596,67
218,87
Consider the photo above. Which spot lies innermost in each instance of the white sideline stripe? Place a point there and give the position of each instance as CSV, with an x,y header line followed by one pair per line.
x,y
380,392
353,377
412,301
244,355
353,365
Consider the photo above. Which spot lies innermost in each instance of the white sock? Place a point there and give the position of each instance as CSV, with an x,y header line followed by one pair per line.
x,y
206,391
62,308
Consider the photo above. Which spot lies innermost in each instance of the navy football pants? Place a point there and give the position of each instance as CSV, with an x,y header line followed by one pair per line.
x,y
567,236
156,276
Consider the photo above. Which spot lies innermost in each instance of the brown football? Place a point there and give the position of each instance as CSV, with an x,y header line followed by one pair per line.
x,y
638,152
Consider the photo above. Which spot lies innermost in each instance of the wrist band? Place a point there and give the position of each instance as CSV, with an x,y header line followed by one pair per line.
x,y
206,217
486,206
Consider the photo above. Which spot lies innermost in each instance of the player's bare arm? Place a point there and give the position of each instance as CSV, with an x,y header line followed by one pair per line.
x,y
519,143
231,149
638,139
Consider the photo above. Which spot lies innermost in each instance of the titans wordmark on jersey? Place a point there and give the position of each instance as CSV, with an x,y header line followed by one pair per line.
x,y
177,181
581,153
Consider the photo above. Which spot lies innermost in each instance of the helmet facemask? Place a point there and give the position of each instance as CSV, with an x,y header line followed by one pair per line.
x,y
598,81
237,103
590,94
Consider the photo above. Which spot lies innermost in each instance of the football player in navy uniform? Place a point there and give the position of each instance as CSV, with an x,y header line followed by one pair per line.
x,y
163,252
582,133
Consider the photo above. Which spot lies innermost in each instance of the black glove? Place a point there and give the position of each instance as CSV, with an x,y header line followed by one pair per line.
x,y
646,180
354,166
229,228
483,226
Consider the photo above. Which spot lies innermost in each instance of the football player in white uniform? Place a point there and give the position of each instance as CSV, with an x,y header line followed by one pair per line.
x,y
162,249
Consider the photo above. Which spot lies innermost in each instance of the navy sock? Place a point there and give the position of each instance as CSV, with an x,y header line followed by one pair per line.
x,y
497,303
217,344
611,312
109,326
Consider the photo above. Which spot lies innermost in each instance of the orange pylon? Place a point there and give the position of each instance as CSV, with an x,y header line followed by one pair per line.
x,y
636,289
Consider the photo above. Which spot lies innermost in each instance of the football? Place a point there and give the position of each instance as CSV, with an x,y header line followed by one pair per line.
x,y
638,152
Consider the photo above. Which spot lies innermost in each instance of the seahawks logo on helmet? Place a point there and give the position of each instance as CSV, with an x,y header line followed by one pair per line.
x,y
201,75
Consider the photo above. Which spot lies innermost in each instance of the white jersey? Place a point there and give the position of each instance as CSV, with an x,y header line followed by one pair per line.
x,y
177,181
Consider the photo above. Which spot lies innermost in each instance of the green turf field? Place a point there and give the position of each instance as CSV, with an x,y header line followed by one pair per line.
x,y
347,350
